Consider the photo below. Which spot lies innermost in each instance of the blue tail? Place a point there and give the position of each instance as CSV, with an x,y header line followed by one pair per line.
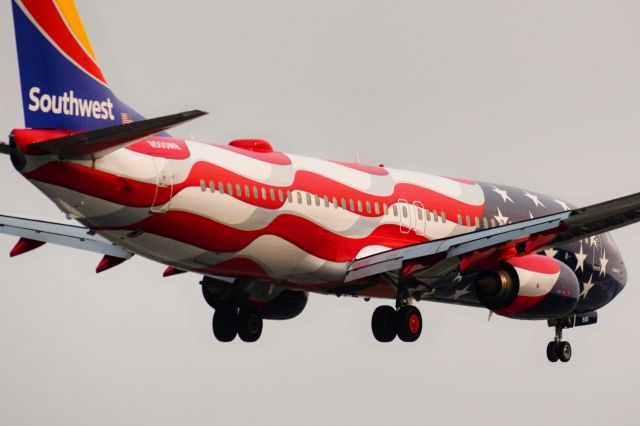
x,y
62,84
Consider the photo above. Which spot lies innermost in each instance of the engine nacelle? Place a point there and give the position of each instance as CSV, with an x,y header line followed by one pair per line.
x,y
529,287
286,305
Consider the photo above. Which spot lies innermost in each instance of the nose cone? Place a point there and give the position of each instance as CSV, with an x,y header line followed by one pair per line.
x,y
616,268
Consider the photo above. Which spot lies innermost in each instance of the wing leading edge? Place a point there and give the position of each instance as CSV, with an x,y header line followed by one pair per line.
x,y
469,250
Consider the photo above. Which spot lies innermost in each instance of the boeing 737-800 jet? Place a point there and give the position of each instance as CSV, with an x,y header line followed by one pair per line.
x,y
264,229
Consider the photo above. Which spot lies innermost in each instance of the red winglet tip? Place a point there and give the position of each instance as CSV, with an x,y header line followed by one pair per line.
x,y
108,262
172,271
24,245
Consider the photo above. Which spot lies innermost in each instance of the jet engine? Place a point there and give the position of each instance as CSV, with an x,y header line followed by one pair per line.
x,y
273,302
529,287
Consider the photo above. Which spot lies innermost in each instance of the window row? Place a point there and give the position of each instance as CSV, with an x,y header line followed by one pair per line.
x,y
255,192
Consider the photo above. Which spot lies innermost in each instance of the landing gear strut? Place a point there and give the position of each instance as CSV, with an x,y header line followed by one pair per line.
x,y
557,349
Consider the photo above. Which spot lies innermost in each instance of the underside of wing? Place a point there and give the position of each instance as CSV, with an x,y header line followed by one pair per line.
x,y
33,233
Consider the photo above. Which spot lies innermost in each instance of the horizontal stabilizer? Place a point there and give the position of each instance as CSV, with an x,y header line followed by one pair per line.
x,y
97,143
5,148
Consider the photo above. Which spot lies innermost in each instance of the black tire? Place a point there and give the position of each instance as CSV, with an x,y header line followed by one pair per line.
x,y
408,323
383,324
564,351
552,352
225,324
249,325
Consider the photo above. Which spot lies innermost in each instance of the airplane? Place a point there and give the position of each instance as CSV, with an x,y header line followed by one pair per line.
x,y
264,229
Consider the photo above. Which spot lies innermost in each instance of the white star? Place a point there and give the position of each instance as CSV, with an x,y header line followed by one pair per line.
x,y
534,198
460,293
458,278
551,252
603,264
563,204
530,215
594,241
502,220
581,258
502,193
587,287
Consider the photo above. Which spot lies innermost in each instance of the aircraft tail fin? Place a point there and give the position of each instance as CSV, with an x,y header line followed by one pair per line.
x,y
63,86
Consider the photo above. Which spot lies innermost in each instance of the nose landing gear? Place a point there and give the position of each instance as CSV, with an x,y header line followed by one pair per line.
x,y
557,349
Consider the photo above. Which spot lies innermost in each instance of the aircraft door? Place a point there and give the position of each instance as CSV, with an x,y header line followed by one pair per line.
x,y
164,186
420,218
406,216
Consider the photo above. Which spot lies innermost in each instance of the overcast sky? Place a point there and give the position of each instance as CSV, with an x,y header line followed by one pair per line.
x,y
544,95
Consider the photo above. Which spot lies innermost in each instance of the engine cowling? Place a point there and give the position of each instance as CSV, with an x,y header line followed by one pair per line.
x,y
286,305
529,287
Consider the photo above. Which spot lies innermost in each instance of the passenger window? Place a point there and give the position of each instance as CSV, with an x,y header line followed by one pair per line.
x,y
419,213
343,203
230,188
263,190
289,197
395,210
459,219
299,197
334,200
221,187
255,192
376,208
351,205
493,223
326,201
308,199
317,200
280,196
203,185
477,222
238,190
405,212
212,186
385,208
360,206
468,220
443,216
272,194
247,191
485,223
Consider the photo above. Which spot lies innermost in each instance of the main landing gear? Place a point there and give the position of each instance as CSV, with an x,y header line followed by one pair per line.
x,y
232,317
404,322
557,349
245,323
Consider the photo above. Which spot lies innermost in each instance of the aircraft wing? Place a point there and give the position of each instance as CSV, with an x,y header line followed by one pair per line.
x,y
464,252
33,233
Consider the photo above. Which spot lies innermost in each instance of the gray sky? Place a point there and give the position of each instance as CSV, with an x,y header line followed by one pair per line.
x,y
543,95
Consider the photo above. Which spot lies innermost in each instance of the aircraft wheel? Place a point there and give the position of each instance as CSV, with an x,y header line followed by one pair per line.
x,y
249,324
383,323
564,351
225,324
552,352
408,323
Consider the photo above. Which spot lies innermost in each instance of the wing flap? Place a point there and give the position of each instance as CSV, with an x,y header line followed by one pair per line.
x,y
61,234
